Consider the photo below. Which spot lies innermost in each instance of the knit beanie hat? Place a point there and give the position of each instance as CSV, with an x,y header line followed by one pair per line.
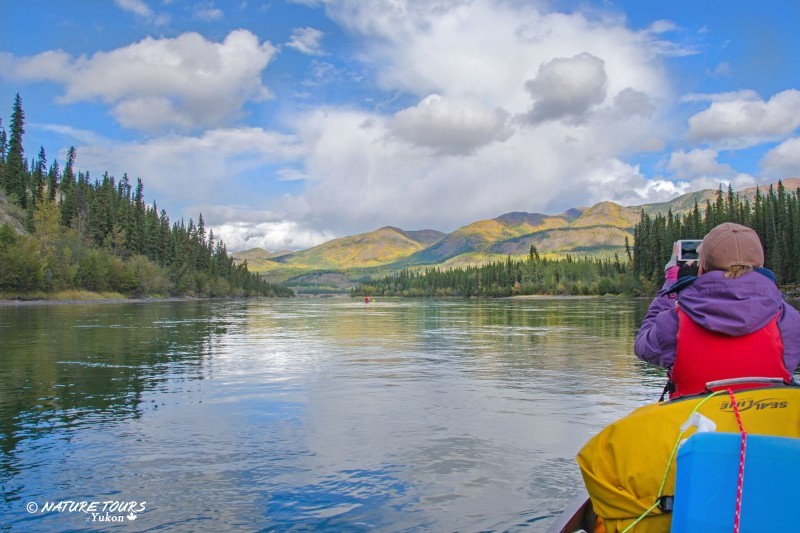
x,y
731,244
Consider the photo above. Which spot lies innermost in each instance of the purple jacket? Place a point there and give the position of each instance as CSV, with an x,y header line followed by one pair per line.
x,y
730,306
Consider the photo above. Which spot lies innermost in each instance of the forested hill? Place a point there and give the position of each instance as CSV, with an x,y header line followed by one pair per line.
x,y
773,213
62,231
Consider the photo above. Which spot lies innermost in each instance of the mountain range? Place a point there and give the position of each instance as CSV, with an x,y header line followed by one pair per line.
x,y
599,230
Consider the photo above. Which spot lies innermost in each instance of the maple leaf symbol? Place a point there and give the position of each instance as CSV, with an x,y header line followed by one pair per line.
x,y
132,516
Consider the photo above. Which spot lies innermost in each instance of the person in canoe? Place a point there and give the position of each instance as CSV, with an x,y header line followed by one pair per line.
x,y
728,322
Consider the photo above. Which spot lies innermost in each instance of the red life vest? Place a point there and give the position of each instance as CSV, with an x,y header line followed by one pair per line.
x,y
703,355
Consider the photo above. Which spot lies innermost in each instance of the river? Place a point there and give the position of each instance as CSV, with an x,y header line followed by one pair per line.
x,y
308,414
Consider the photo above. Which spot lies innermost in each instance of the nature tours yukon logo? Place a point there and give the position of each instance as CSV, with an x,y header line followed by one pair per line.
x,y
94,511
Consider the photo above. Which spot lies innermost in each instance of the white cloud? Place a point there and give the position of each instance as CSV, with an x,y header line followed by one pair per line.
x,y
74,134
272,236
187,82
49,65
137,7
741,123
306,41
242,228
721,70
783,161
177,169
567,88
290,174
739,181
658,190
141,9
698,163
323,73
662,26
208,13
450,126
360,176
624,184
489,49
612,179
699,169
630,102
732,96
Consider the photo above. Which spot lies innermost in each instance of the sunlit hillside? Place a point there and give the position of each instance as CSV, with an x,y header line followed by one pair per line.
x,y
572,240
259,260
480,236
379,247
607,214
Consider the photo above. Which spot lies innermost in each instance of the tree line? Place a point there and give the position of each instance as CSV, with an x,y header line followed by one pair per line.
x,y
774,214
99,235
512,277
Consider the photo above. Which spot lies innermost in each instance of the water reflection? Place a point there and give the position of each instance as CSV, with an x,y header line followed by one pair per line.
x,y
64,368
397,415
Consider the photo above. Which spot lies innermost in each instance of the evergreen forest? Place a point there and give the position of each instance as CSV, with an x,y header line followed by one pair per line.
x,y
81,233
774,214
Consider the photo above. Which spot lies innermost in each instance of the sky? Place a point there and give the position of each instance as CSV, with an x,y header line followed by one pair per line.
x,y
290,123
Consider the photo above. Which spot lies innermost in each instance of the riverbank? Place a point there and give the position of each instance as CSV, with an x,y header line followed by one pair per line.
x,y
82,297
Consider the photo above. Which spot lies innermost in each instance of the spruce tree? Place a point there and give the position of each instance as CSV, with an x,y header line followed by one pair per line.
x,y
14,173
165,240
68,202
53,177
38,175
137,235
83,197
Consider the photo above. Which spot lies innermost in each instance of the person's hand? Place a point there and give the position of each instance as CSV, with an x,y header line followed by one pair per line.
x,y
671,268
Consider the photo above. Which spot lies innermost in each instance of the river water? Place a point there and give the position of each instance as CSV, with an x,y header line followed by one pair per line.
x,y
308,414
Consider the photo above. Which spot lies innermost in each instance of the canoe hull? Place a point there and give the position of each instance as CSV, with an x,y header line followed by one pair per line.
x,y
577,516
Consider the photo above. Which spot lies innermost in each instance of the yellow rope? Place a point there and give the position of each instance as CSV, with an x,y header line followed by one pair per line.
x,y
669,463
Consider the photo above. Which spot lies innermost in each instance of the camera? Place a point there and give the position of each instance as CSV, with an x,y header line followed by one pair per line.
x,y
688,250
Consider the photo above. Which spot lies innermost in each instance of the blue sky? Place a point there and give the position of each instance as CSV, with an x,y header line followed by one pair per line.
x,y
289,123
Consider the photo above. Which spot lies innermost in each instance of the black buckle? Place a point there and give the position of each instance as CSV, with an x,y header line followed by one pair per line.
x,y
666,503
